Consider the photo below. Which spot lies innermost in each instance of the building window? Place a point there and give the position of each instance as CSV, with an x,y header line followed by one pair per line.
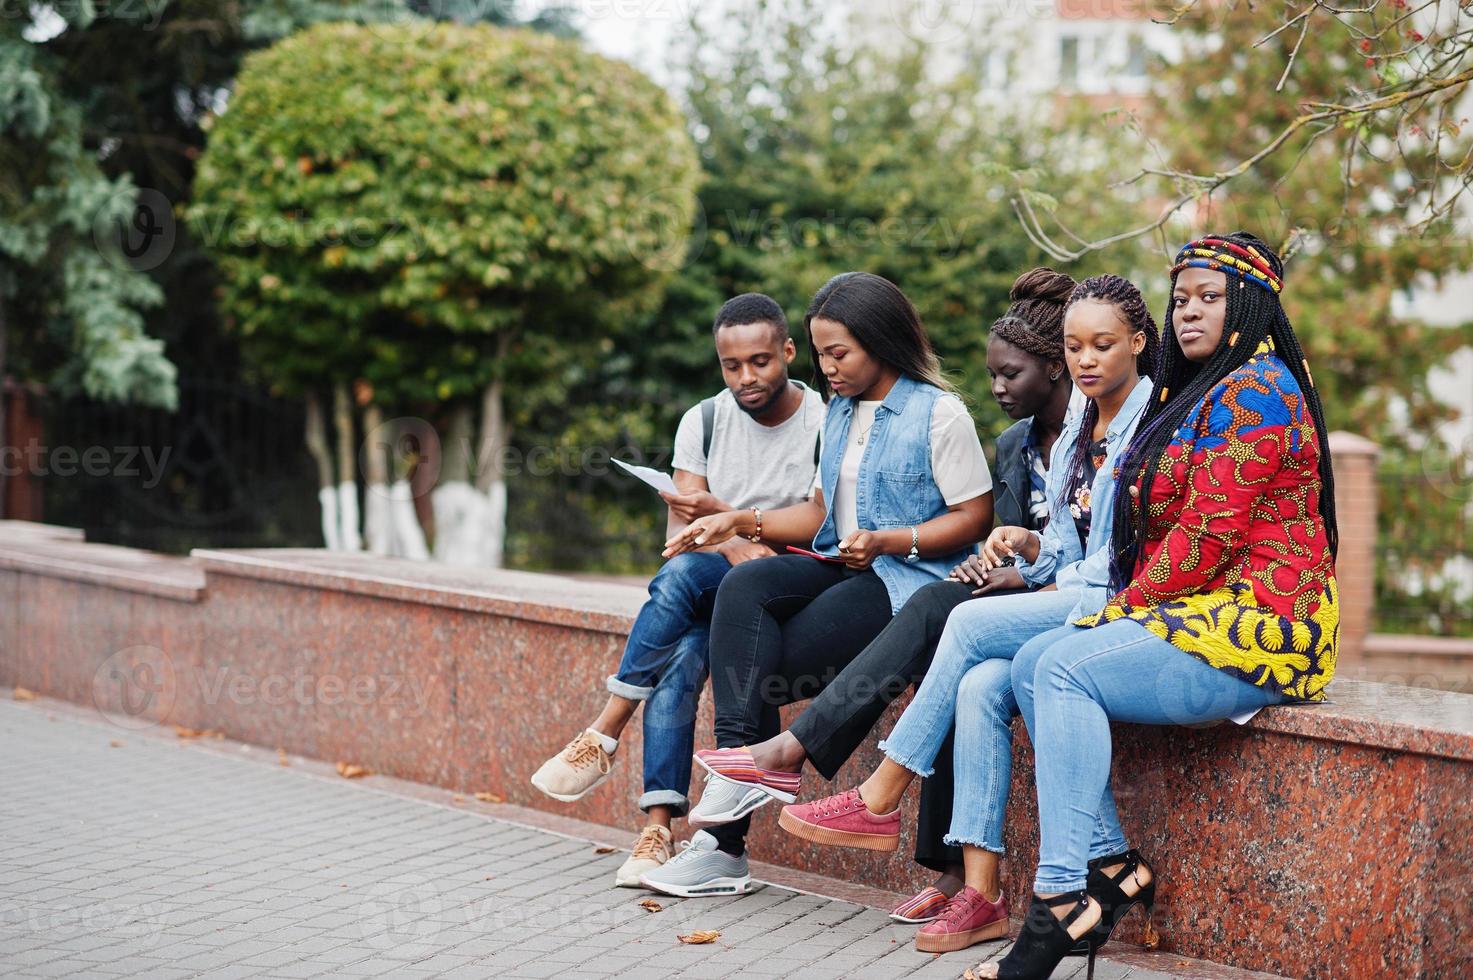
x,y
1069,60
1135,57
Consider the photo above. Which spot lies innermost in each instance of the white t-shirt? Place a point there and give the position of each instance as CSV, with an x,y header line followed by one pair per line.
x,y
957,461
751,464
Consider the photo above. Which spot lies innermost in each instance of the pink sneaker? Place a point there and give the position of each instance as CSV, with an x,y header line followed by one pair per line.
x,y
738,766
968,919
843,820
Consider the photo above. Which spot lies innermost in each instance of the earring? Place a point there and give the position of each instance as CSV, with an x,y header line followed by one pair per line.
x,y
1053,377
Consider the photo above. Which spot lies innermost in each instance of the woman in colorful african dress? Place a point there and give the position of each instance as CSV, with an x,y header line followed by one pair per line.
x,y
1223,572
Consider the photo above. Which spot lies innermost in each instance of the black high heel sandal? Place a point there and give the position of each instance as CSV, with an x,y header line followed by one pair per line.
x,y
1115,905
1044,940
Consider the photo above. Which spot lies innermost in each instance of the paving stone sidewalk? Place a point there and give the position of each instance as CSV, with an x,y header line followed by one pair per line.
x,y
134,854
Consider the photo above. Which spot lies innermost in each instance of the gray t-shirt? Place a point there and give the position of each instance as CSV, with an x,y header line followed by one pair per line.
x,y
751,464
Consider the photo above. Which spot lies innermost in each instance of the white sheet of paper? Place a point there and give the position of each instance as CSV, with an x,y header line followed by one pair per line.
x,y
655,478
1243,717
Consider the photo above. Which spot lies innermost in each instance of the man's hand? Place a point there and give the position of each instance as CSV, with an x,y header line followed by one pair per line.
x,y
691,504
738,550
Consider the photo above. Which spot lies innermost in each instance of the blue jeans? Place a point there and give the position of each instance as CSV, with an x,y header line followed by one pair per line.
x,y
1070,684
975,631
969,685
664,665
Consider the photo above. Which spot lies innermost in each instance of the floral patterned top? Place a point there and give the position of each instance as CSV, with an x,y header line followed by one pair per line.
x,y
1236,568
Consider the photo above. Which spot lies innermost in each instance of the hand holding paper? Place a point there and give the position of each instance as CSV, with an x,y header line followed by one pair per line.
x,y
660,481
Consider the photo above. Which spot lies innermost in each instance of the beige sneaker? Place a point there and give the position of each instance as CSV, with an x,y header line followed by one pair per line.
x,y
569,775
650,851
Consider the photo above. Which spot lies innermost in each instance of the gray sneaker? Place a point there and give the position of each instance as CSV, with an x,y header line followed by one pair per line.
x,y
724,800
700,870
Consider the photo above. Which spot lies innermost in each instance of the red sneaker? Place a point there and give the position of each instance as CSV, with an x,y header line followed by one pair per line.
x,y
968,919
842,820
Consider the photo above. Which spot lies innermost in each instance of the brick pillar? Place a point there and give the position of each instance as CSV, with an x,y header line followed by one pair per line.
x,y
1355,569
21,497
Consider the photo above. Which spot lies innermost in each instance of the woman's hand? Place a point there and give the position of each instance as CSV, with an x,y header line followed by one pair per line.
x,y
1007,542
860,549
974,571
706,531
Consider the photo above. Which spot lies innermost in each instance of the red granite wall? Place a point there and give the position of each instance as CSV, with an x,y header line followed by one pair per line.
x,y
1323,841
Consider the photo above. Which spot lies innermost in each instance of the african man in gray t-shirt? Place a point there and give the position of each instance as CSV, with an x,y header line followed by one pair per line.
x,y
754,445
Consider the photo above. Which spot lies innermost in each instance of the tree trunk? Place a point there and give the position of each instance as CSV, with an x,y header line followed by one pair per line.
x,y
3,435
348,520
378,531
327,494
470,503
409,535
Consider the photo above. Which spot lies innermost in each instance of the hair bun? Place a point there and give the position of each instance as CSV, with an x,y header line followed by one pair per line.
x,y
1041,284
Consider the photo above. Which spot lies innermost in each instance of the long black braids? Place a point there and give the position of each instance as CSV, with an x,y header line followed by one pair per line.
x,y
1131,307
1253,313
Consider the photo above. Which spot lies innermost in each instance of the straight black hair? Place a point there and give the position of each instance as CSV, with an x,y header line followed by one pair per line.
x,y
882,320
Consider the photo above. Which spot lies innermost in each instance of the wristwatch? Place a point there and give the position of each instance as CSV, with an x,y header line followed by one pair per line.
x,y
915,547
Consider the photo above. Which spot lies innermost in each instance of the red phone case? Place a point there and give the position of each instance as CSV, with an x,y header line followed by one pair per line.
x,y
814,554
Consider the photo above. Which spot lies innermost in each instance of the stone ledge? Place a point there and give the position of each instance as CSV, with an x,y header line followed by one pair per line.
x,y
1406,719
603,607
61,553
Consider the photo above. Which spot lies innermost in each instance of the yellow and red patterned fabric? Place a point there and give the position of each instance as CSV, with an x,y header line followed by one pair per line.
x,y
1236,567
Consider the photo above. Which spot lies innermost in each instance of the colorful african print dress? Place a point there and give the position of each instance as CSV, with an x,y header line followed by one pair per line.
x,y
1236,567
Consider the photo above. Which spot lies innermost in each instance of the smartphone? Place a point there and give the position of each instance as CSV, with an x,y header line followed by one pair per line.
x,y
813,554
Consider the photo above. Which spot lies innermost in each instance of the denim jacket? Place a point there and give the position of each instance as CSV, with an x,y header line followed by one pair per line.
x,y
1060,559
896,487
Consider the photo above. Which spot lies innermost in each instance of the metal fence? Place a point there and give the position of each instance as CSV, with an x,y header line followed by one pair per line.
x,y
1424,575
228,469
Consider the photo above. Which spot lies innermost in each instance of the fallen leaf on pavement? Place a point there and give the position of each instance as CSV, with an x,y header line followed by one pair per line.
x,y
281,759
1149,937
115,744
969,974
350,771
183,732
456,798
650,905
24,694
697,938
604,850
490,797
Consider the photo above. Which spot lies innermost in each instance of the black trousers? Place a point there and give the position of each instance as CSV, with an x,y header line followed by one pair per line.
x,y
782,630
841,718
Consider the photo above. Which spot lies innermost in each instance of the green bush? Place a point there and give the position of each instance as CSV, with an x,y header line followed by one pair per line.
x,y
388,203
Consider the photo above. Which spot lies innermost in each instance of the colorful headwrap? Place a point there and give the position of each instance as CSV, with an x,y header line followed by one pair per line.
x,y
1221,255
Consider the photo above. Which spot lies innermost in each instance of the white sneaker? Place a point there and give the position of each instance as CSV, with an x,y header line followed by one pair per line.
x,y
650,851
700,870
725,800
578,768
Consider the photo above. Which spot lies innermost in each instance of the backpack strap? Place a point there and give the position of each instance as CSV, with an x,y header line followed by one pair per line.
x,y
708,427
